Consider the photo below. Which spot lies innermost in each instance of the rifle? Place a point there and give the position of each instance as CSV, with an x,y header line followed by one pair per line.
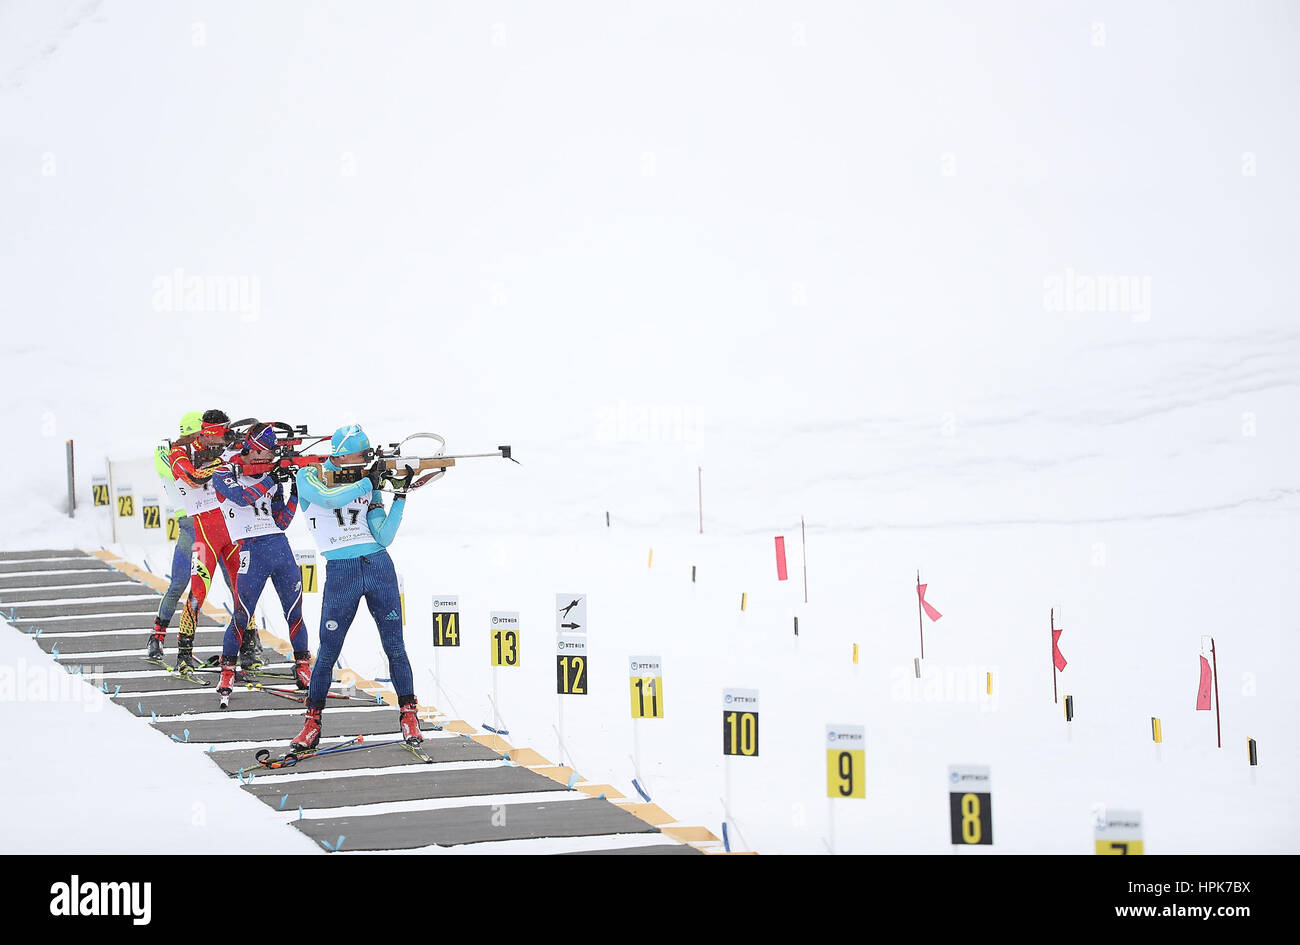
x,y
401,471
288,453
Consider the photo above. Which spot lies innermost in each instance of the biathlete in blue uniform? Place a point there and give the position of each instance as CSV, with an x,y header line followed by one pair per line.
x,y
257,512
351,528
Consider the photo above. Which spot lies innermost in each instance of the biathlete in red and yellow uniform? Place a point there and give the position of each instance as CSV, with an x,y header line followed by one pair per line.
x,y
212,541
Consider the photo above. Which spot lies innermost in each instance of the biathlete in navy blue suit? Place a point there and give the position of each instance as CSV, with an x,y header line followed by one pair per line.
x,y
351,528
257,512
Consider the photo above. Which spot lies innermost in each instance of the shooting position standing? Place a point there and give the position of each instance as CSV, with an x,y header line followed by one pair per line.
x,y
345,511
192,464
257,512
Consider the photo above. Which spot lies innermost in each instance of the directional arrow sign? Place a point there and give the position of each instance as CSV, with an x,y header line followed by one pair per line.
x,y
570,613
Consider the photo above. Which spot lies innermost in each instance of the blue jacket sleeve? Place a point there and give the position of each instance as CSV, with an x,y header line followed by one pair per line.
x,y
383,526
313,491
226,482
282,509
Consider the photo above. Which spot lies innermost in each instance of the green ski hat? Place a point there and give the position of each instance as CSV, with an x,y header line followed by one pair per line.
x,y
191,423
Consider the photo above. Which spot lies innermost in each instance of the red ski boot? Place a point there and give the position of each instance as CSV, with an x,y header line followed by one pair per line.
x,y
227,683
309,737
302,669
411,723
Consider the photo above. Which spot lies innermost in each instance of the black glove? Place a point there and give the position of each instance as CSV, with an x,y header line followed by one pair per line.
x,y
376,475
401,485
283,474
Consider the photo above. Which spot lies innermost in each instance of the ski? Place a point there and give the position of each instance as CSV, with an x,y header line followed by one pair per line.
x,y
297,695
418,752
290,759
186,674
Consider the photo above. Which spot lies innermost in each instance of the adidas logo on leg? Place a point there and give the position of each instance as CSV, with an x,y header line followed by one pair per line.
x,y
393,615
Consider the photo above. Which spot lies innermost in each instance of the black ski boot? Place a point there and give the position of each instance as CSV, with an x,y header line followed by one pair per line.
x,y
185,662
250,652
154,648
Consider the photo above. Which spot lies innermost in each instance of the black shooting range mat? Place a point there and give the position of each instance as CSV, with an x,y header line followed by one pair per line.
x,y
200,699
125,662
108,642
282,726
146,607
405,830
46,553
158,681
83,597
31,595
83,565
142,622
675,849
458,748
420,782
10,582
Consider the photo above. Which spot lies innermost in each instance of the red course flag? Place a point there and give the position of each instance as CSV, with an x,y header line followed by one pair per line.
x,y
781,574
929,611
1057,658
1203,695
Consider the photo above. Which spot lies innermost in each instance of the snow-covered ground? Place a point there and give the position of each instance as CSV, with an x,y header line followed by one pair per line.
x,y
844,260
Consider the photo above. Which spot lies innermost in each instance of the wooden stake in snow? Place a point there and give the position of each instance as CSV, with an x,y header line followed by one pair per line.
x,y
1215,660
919,625
803,534
1051,618
699,470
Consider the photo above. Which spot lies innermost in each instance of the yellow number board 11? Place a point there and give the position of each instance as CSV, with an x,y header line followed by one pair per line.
x,y
646,680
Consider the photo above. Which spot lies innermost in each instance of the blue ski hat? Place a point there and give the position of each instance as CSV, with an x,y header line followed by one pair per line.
x,y
348,439
265,439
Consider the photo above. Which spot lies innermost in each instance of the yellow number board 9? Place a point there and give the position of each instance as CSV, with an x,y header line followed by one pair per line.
x,y
846,761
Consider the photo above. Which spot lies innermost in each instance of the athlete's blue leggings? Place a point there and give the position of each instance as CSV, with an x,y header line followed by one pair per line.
x,y
262,557
347,580
180,570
